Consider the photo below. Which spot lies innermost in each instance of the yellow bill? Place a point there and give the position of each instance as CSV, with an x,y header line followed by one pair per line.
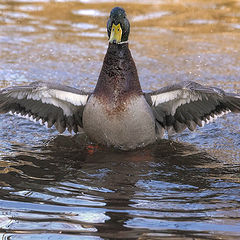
x,y
116,34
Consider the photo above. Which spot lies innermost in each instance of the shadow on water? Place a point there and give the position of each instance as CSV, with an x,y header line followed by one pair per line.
x,y
167,189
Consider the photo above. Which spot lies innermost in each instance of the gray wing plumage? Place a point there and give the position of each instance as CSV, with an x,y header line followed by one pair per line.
x,y
188,104
53,104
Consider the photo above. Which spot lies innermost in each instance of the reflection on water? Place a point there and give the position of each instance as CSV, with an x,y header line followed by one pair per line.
x,y
61,188
169,188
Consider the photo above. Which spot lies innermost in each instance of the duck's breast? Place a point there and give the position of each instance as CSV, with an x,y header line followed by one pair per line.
x,y
127,125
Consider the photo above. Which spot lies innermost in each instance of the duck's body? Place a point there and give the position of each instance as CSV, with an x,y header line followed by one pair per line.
x,y
118,113
131,127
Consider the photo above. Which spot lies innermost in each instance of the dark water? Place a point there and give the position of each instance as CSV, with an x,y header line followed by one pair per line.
x,y
57,187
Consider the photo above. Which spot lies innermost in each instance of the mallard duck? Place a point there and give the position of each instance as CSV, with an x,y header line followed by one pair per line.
x,y
118,113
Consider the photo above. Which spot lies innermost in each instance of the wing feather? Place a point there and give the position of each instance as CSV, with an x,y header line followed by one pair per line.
x,y
53,104
188,104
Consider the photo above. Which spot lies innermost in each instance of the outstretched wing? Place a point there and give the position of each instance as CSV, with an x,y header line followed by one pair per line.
x,y
188,104
52,104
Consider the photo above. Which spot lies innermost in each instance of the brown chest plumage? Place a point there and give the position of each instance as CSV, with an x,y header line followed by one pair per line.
x,y
118,80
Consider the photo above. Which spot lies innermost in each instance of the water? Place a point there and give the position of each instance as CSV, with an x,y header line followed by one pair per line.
x,y
56,187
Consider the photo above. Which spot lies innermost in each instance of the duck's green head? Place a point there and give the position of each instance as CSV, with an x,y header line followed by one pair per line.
x,y
118,26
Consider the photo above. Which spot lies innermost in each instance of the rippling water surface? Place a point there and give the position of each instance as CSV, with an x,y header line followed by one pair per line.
x,y
55,187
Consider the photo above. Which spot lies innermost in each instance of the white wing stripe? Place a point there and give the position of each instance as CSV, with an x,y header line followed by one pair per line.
x,y
165,97
73,98
178,98
47,94
65,100
174,95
